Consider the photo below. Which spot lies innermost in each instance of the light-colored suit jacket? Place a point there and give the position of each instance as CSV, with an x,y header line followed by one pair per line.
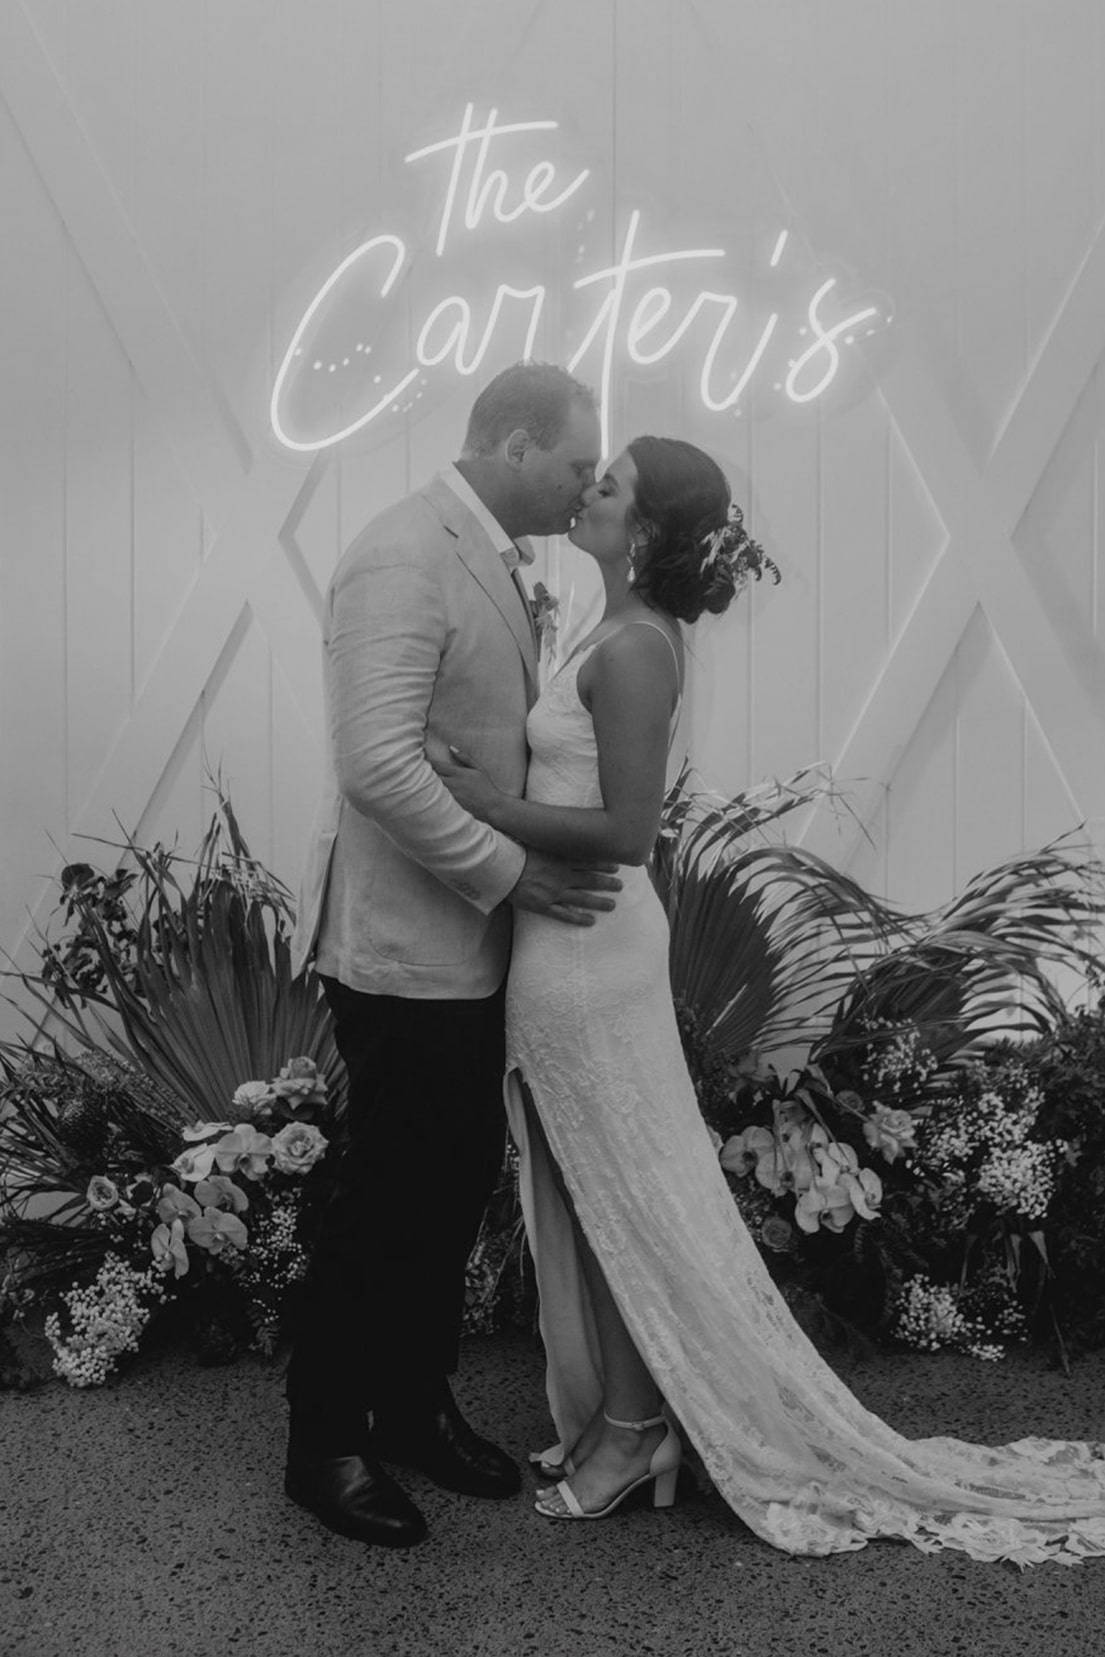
x,y
425,636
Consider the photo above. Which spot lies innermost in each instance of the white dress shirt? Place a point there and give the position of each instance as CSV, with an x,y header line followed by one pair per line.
x,y
511,552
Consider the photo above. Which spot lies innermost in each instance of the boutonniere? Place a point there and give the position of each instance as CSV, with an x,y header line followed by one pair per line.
x,y
544,607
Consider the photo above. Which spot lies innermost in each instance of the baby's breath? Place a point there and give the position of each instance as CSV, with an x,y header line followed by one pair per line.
x,y
901,1067
979,1143
929,1317
275,1262
107,1319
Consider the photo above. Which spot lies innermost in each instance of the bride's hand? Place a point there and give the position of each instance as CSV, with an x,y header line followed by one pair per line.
x,y
469,786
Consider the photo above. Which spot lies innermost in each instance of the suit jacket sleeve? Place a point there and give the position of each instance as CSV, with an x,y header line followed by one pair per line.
x,y
388,630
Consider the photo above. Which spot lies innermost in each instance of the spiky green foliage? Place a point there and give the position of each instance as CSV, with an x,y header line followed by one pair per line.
x,y
764,937
770,945
203,999
982,967
58,1119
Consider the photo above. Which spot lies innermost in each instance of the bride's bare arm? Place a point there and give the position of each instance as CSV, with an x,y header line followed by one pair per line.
x,y
629,685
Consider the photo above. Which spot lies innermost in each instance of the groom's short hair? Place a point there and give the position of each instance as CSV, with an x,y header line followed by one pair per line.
x,y
531,396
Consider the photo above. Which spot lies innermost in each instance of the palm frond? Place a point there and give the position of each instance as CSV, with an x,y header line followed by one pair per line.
x,y
764,936
770,945
206,998
44,1164
764,942
982,966
217,1004
43,1255
713,824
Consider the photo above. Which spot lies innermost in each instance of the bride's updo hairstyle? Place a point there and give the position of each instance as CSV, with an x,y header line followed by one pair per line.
x,y
696,555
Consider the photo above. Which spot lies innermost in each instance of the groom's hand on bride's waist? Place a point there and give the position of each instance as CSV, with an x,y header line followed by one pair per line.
x,y
569,892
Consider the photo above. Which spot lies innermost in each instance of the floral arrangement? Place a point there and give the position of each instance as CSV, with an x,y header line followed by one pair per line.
x,y
901,1017
140,1174
745,557
844,1169
794,1155
224,1225
931,1316
918,1176
986,1176
978,1148
953,1250
1068,1065
812,1170
500,1289
180,969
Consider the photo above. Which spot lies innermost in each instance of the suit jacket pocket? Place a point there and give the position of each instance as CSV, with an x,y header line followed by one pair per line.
x,y
413,917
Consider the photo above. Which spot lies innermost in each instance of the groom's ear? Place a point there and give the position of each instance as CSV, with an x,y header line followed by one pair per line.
x,y
516,445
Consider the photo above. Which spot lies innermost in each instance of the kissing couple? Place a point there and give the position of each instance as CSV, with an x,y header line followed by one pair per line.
x,y
478,906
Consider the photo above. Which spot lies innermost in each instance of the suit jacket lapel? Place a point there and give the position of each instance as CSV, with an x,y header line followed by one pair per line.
x,y
484,563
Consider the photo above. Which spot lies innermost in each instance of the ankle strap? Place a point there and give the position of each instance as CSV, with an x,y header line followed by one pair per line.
x,y
635,1426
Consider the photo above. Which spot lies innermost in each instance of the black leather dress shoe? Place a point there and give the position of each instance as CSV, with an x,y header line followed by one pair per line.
x,y
354,1497
438,1441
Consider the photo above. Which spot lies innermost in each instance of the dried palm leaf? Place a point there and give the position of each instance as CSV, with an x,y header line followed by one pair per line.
x,y
984,965
207,999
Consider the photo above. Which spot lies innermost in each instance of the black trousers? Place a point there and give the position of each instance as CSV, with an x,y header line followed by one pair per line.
x,y
384,1295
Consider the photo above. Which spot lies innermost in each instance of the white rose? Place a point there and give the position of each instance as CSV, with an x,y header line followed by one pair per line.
x,y
298,1147
252,1096
890,1132
102,1193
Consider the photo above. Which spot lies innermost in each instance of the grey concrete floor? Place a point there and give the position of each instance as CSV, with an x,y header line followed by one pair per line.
x,y
147,1519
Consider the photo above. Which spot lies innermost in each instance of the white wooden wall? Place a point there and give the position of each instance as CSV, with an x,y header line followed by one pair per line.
x,y
176,176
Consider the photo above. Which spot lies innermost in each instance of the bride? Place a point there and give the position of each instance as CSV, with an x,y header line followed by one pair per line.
x,y
655,1306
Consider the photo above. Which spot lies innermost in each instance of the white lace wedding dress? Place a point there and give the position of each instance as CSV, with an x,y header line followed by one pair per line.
x,y
591,1029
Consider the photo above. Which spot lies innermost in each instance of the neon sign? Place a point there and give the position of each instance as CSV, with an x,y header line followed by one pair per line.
x,y
458,330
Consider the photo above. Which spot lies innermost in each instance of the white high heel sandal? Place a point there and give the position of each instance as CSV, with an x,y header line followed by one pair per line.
x,y
663,1472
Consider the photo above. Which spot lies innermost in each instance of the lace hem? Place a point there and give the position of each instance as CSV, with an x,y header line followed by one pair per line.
x,y
989,1540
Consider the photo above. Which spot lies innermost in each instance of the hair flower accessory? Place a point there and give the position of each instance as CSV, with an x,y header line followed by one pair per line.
x,y
744,556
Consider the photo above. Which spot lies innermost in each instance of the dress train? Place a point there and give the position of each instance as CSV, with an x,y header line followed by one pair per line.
x,y
592,1029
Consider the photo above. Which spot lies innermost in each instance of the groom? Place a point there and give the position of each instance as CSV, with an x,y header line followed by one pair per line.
x,y
406,908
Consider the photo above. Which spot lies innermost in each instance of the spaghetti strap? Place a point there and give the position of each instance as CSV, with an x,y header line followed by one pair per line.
x,y
582,650
643,621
